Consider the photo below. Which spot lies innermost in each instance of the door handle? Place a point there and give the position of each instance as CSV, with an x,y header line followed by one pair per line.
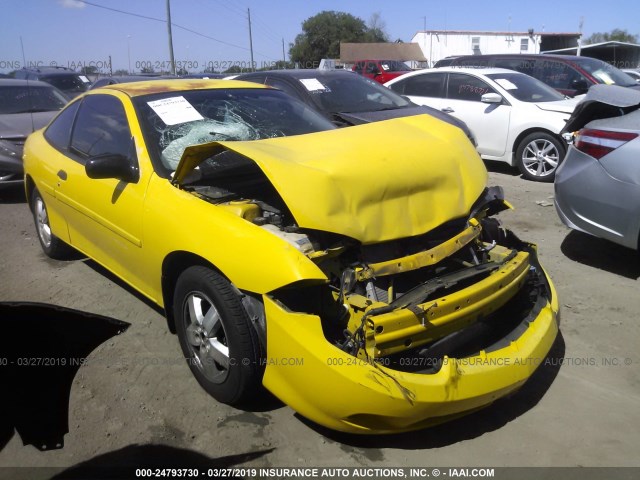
x,y
447,110
62,175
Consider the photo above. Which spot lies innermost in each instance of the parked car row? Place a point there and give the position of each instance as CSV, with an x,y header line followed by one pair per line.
x,y
371,252
570,75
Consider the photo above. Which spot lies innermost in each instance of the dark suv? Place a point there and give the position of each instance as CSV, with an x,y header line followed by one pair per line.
x,y
70,82
570,75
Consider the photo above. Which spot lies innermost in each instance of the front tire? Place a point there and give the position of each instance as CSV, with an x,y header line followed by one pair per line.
x,y
216,336
52,246
538,156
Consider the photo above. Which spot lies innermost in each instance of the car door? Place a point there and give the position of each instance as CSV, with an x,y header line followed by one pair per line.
x,y
104,216
489,122
424,89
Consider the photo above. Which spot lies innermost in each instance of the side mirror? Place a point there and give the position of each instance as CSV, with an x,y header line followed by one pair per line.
x,y
580,86
491,98
112,166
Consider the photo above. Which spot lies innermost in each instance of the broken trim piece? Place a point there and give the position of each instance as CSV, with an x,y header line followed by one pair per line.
x,y
421,259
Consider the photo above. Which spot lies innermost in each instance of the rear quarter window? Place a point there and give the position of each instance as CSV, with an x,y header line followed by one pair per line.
x,y
58,134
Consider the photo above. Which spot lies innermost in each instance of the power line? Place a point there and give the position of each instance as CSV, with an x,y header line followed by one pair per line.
x,y
173,24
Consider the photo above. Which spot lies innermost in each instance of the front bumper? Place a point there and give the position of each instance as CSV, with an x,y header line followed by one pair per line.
x,y
341,392
11,168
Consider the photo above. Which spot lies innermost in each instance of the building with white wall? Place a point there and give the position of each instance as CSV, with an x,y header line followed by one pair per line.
x,y
438,44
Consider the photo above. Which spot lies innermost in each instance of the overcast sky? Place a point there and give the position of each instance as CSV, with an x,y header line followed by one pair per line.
x,y
72,33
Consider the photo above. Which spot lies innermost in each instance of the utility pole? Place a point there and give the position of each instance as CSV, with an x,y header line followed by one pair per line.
x,y
580,38
424,38
250,39
284,58
173,62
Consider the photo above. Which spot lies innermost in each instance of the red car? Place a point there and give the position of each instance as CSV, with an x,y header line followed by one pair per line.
x,y
381,70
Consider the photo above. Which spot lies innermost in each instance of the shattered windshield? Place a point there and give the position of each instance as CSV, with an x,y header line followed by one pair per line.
x,y
173,121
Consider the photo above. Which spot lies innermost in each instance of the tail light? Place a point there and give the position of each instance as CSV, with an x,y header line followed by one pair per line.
x,y
599,143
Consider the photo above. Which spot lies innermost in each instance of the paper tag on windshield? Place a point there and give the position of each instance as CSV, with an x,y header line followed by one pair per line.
x,y
175,110
506,84
312,84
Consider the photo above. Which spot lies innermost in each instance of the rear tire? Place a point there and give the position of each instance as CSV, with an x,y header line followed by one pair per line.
x,y
538,156
52,246
216,336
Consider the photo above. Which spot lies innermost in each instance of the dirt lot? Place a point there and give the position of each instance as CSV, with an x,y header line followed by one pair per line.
x,y
581,413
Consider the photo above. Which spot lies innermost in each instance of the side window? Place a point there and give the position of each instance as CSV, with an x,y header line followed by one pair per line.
x,y
372,68
559,75
427,85
526,66
284,86
58,134
359,67
466,87
101,127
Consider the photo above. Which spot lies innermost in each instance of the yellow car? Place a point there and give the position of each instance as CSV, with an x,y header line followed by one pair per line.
x,y
356,273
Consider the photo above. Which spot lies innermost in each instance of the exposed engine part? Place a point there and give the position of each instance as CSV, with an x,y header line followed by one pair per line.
x,y
299,240
371,291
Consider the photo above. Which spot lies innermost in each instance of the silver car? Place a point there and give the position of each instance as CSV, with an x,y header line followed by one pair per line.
x,y
597,187
25,106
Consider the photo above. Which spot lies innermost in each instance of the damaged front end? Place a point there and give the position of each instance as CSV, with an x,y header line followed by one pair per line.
x,y
407,331
414,332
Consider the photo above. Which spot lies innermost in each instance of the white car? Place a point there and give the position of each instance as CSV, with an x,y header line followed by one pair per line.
x,y
635,74
514,117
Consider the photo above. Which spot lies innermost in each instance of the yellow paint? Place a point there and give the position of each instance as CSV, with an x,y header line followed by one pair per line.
x,y
373,183
346,181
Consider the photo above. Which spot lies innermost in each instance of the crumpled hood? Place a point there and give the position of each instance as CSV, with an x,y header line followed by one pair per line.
x,y
376,182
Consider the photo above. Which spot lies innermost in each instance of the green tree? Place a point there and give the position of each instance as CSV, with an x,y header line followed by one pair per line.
x,y
321,36
236,69
376,29
615,35
89,70
121,72
147,70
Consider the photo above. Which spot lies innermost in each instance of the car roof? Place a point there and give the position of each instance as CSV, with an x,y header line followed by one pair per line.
x,y
175,85
15,82
481,71
299,73
52,70
563,58
470,70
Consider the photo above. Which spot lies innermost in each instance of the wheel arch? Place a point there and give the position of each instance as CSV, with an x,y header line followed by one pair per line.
x,y
172,266
528,132
29,186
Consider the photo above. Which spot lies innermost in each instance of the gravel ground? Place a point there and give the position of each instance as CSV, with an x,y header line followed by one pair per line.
x,y
580,409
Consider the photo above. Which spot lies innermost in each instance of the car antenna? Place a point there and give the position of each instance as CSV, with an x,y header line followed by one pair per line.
x,y
24,60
